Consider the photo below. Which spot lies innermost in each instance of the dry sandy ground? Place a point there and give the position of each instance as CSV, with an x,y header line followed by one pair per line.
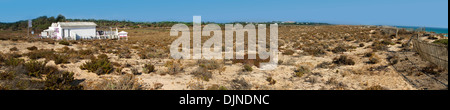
x,y
341,77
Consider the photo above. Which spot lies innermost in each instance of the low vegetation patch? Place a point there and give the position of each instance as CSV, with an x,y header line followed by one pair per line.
x,y
202,73
100,65
343,60
442,41
63,42
148,68
301,70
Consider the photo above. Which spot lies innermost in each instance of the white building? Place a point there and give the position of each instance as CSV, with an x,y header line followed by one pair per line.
x,y
71,30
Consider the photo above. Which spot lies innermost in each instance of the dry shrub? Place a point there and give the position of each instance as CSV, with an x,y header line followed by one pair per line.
x,y
343,60
209,64
377,87
288,52
301,70
202,73
14,49
174,67
314,51
373,60
32,48
125,82
240,84
256,62
339,49
148,68
216,87
271,81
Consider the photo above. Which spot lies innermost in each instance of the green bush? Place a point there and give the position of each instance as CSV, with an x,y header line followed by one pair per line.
x,y
247,68
35,68
442,41
60,59
61,80
100,65
14,62
37,54
63,42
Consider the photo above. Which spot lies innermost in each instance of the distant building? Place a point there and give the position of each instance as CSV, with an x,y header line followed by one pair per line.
x,y
71,30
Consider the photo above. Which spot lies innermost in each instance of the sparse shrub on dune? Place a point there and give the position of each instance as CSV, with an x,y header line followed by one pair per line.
x,y
32,48
124,82
35,68
209,64
377,87
339,49
61,80
314,51
174,67
373,60
343,60
37,54
14,62
13,49
301,70
288,52
148,68
202,73
100,65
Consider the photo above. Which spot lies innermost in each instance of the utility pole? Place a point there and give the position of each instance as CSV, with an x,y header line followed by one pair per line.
x,y
30,24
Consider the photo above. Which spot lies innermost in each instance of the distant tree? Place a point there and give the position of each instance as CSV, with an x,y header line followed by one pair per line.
x,y
60,18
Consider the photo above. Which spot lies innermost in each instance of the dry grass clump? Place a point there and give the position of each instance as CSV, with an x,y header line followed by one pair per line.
x,y
240,84
216,87
202,73
339,49
209,64
256,62
377,87
381,45
100,65
125,82
174,67
343,60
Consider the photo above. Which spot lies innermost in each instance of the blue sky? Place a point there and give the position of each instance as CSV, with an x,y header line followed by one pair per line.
x,y
430,13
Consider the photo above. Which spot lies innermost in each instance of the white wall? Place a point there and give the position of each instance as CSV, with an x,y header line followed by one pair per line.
x,y
76,33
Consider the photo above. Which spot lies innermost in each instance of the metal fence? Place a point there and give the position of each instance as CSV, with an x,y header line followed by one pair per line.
x,y
435,53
